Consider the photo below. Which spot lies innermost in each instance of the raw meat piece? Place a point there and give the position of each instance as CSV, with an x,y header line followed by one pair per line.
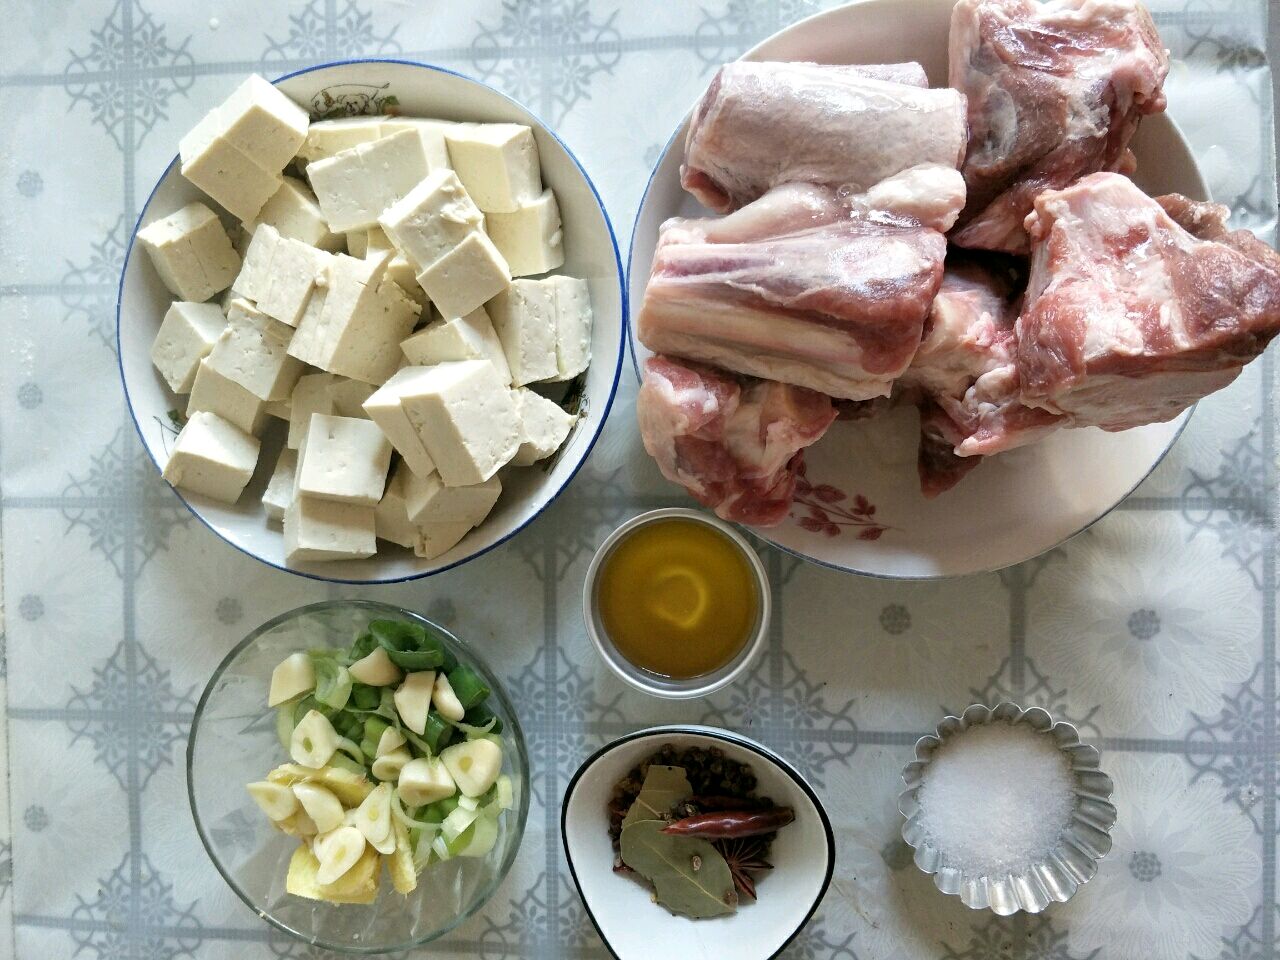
x,y
735,446
763,124
803,287
1055,91
965,377
1130,318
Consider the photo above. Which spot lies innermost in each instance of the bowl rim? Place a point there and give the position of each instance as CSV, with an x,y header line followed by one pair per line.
x,y
723,736
623,338
636,676
498,690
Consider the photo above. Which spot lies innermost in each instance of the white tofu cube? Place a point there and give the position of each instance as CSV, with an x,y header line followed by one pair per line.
x,y
435,539
328,137
263,123
466,277
402,273
431,132
254,279
543,427
344,459
187,334
253,351
573,326
524,317
349,396
311,396
212,457
428,500
225,174
386,409
390,518
357,243
376,241
322,530
235,154
279,493
280,409
465,417
355,325
213,393
463,338
497,163
431,219
529,238
356,185
294,212
191,252
296,271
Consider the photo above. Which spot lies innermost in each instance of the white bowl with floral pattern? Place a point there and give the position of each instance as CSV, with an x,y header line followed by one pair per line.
x,y
858,505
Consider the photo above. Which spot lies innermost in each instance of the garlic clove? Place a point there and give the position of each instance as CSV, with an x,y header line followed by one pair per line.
x,y
373,817
413,699
293,675
338,850
320,804
389,765
391,739
446,700
375,669
274,799
313,741
424,780
474,765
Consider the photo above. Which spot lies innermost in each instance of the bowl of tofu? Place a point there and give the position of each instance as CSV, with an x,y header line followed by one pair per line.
x,y
371,321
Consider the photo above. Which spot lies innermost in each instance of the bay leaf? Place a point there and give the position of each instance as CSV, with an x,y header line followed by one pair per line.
x,y
669,864
663,788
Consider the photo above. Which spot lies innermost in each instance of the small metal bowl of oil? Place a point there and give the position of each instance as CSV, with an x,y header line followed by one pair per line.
x,y
677,603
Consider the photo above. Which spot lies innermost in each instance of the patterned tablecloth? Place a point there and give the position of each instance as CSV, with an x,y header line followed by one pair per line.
x,y
1155,631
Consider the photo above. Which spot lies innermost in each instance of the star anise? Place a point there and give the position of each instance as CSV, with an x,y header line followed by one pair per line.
x,y
745,856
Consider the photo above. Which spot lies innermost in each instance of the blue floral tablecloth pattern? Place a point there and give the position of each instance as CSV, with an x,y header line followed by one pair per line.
x,y
1155,631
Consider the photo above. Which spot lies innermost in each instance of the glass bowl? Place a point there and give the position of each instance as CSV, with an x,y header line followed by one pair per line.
x,y
233,742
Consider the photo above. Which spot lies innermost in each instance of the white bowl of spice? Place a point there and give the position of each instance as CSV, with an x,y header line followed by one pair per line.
x,y
1007,808
696,836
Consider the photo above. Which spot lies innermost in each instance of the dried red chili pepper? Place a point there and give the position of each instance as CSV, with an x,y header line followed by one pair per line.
x,y
729,824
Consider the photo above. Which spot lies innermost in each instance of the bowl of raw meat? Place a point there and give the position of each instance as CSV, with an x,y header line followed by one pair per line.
x,y
923,288
371,322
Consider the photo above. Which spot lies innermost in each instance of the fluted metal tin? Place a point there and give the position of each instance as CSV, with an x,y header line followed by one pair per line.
x,y
1069,865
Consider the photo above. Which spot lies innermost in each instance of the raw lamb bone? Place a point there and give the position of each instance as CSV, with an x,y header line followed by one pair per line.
x,y
1130,318
1055,92
805,287
735,446
964,377
763,124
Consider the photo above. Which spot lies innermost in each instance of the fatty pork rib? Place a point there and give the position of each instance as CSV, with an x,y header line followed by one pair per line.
x,y
735,446
803,287
847,127
1055,92
1131,318
964,377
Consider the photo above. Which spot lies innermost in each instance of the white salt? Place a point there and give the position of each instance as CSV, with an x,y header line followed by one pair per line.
x,y
996,797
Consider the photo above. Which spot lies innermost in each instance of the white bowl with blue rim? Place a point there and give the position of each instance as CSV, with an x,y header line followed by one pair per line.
x,y
622,910
859,508
591,253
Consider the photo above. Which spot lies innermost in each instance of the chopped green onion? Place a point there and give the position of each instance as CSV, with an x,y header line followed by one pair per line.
x,y
349,725
365,697
407,645
362,647
480,716
374,727
333,682
473,732
470,690
437,732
